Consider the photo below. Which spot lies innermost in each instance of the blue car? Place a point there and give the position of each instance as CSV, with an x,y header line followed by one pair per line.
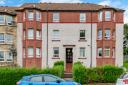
x,y
44,79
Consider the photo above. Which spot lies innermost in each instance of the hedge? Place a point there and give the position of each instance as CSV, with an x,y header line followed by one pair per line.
x,y
9,76
105,74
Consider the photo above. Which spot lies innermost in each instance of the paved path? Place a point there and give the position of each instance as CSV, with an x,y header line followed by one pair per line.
x,y
101,84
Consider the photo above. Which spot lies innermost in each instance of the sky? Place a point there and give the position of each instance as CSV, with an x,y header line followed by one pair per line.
x,y
114,3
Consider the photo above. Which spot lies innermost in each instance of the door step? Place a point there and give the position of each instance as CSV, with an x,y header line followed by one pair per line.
x,y
67,75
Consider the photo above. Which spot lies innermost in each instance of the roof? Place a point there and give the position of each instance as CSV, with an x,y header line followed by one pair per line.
x,y
67,6
9,10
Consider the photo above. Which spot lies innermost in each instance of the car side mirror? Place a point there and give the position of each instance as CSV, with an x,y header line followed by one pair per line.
x,y
58,81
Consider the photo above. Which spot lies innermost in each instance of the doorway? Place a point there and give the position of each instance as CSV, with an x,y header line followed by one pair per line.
x,y
69,59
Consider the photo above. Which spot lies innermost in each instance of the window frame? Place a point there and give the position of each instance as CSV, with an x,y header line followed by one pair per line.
x,y
100,34
30,55
31,36
82,37
38,16
30,14
82,52
82,17
39,50
56,34
100,16
107,15
107,31
105,53
38,37
54,53
3,40
2,22
99,49
56,17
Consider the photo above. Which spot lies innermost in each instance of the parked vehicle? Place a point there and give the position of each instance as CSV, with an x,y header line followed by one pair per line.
x,y
123,79
44,79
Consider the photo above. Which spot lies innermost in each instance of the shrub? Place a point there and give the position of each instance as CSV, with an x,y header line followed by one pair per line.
x,y
126,64
9,76
59,63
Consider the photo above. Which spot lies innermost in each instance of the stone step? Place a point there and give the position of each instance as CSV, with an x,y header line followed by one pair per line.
x,y
67,75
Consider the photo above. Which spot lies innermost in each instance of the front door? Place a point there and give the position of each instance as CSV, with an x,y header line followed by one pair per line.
x,y
69,59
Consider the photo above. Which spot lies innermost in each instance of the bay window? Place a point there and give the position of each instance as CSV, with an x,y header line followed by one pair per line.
x,y
30,52
38,16
37,52
107,34
38,35
99,34
107,52
30,15
107,15
30,33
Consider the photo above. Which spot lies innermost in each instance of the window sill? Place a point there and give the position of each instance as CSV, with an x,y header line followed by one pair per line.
x,y
82,58
56,40
82,40
55,58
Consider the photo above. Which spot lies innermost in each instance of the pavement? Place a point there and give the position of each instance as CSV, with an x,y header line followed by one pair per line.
x,y
101,84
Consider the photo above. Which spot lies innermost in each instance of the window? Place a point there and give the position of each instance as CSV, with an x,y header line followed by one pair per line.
x,y
30,52
99,34
107,52
56,17
50,79
82,34
37,52
2,21
9,56
100,16
38,16
107,34
56,52
9,38
24,50
24,34
82,52
107,15
9,20
30,34
82,17
56,34
38,37
2,37
113,52
36,79
30,15
100,54
1,55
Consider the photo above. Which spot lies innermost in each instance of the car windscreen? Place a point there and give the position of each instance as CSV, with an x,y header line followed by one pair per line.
x,y
124,76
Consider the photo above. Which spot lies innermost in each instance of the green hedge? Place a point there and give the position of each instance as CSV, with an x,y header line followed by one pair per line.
x,y
105,74
9,76
59,63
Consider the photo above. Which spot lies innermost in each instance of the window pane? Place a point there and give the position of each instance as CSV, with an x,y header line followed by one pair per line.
x,y
56,34
38,35
1,37
107,51
82,52
100,16
38,16
56,51
99,34
1,56
107,15
30,15
9,56
82,34
100,52
9,38
38,52
30,34
55,17
9,19
50,79
30,52
36,79
107,34
1,19
82,17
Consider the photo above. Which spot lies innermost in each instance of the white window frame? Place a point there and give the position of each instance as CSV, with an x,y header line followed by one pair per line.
x,y
99,34
56,17
54,54
6,55
9,38
107,15
30,36
38,34
38,52
82,52
9,19
2,41
3,57
82,38
30,49
30,15
56,34
100,50
100,16
2,22
82,17
107,49
38,16
107,34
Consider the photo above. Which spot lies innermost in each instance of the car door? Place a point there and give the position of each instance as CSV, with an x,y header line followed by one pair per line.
x,y
36,80
50,80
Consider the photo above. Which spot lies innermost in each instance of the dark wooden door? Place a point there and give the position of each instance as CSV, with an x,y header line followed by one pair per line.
x,y
69,59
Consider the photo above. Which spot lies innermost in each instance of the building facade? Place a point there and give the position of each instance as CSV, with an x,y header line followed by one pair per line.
x,y
50,32
7,36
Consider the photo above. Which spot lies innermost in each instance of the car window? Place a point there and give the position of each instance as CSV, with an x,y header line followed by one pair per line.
x,y
50,79
36,79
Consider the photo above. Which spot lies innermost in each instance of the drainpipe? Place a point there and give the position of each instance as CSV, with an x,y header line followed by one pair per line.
x,y
91,42
47,39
